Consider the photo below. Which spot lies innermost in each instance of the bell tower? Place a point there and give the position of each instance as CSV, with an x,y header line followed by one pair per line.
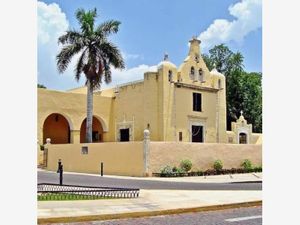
x,y
194,47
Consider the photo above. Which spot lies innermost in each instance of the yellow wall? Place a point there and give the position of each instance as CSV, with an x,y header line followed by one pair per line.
x,y
73,107
124,158
202,155
129,108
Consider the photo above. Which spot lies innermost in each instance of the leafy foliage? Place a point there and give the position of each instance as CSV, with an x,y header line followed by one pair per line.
x,y
167,170
41,86
247,165
218,165
244,90
186,165
97,53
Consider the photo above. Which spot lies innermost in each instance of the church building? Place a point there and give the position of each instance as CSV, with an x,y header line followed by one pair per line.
x,y
176,104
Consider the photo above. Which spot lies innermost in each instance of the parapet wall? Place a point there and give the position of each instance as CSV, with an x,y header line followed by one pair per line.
x,y
202,155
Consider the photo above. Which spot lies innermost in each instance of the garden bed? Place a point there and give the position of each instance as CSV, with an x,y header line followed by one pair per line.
x,y
209,172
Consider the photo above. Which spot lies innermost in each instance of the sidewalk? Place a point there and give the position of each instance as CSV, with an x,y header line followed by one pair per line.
x,y
149,200
245,177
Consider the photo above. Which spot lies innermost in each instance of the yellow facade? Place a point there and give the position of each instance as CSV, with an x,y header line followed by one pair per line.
x,y
163,102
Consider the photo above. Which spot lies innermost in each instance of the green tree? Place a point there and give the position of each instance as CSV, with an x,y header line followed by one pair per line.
x,y
41,86
244,90
97,55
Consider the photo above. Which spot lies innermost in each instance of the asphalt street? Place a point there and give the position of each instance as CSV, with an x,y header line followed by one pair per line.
x,y
97,181
237,216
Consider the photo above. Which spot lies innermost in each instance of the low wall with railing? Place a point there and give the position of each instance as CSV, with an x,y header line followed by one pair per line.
x,y
202,155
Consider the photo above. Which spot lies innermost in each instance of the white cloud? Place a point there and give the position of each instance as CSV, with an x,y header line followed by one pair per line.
x,y
128,75
52,22
248,14
128,56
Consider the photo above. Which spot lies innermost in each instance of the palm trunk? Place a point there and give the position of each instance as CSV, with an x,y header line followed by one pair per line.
x,y
89,117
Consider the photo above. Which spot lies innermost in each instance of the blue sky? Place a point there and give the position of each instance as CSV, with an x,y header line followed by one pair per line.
x,y
148,29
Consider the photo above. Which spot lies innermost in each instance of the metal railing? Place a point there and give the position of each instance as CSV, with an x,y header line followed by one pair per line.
x,y
47,191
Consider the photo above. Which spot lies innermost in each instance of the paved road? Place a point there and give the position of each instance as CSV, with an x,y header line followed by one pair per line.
x,y
238,216
46,177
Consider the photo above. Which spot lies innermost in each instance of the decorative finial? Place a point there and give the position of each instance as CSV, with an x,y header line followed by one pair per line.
x,y
215,66
241,112
166,56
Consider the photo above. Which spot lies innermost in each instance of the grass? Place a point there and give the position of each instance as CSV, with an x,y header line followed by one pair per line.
x,y
69,197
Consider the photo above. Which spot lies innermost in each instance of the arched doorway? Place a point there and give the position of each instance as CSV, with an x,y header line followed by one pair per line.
x,y
57,128
97,128
243,138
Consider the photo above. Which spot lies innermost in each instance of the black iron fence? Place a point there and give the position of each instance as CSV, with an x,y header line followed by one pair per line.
x,y
47,191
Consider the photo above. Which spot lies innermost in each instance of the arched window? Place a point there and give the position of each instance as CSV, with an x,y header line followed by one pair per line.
x,y
243,138
170,75
201,75
192,73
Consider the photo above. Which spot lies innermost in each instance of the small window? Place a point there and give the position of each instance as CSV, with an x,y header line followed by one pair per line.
x,y
170,75
243,138
180,136
201,75
197,58
84,150
124,134
192,73
197,102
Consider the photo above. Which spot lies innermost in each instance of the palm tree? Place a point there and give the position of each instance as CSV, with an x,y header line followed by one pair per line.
x,y
97,55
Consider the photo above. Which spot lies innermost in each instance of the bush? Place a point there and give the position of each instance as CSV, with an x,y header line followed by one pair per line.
x,y
247,165
174,169
186,165
200,173
166,171
257,169
210,172
218,165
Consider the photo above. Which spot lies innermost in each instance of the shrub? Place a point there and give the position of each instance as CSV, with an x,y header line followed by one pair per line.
x,y
233,170
166,171
210,172
257,169
247,165
174,169
200,173
186,165
180,170
218,165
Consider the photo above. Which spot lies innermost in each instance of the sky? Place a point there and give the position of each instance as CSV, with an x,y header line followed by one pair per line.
x,y
148,29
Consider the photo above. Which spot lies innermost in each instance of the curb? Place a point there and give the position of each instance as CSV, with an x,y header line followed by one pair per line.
x,y
146,214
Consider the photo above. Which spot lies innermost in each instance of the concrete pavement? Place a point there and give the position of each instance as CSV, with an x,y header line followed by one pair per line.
x,y
151,201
